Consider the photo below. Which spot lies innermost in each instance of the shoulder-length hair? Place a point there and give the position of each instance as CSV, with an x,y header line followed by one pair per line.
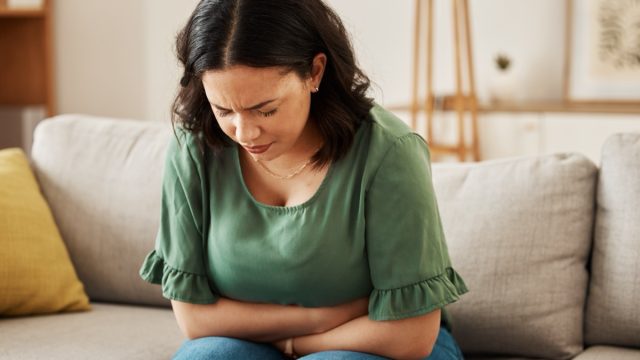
x,y
272,33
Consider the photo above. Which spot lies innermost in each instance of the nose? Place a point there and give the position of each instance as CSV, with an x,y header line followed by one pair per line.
x,y
246,132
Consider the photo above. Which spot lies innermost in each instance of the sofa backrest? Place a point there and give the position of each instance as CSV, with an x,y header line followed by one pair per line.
x,y
519,232
102,180
613,306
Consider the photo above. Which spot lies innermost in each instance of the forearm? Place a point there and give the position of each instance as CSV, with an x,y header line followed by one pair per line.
x,y
250,321
411,338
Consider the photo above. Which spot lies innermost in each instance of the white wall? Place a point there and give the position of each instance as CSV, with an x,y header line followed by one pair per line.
x,y
163,20
116,58
100,57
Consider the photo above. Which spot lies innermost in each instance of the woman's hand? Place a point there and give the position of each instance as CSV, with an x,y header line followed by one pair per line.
x,y
327,318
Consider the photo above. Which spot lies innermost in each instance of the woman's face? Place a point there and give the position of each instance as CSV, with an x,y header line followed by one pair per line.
x,y
261,109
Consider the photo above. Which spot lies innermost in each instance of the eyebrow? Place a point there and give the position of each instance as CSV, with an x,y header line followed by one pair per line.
x,y
254,107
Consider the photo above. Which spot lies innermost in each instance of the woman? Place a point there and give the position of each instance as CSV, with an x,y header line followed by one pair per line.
x,y
298,217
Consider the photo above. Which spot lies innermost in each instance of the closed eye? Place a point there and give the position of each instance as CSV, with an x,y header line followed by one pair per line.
x,y
268,113
221,113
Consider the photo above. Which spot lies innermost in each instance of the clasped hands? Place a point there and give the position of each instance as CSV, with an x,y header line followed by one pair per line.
x,y
324,319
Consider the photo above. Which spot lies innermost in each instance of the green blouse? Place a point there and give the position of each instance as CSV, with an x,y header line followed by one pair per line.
x,y
371,229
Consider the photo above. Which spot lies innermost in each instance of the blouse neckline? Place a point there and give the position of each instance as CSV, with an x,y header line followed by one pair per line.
x,y
301,206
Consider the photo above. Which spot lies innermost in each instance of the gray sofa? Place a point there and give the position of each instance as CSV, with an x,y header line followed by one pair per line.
x,y
549,247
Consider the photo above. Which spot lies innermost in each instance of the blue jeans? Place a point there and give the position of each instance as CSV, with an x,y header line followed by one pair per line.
x,y
216,348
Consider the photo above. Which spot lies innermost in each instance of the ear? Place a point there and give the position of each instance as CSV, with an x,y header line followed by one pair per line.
x,y
317,70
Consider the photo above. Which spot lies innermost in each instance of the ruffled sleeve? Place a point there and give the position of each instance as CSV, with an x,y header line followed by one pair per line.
x,y
177,261
410,266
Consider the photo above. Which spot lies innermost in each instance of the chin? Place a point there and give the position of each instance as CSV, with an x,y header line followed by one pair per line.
x,y
266,156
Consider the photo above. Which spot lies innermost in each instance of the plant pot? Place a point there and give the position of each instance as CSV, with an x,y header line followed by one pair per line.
x,y
503,87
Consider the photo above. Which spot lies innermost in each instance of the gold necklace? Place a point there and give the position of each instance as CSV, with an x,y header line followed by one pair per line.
x,y
289,176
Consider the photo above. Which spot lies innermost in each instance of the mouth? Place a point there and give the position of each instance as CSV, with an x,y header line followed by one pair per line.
x,y
257,149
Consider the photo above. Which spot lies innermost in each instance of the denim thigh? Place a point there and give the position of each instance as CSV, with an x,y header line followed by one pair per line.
x,y
215,348
341,355
218,348
445,348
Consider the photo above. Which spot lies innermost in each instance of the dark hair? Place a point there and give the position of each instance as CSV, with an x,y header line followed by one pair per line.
x,y
272,33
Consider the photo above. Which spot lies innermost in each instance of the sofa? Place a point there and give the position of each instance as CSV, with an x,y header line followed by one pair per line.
x,y
548,245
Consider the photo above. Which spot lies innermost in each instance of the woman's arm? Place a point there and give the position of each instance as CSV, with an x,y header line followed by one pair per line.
x,y
261,322
411,338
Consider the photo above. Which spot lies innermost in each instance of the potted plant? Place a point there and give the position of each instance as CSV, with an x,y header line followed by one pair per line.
x,y
503,85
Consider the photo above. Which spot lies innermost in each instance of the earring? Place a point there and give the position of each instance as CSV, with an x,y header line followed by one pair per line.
x,y
316,89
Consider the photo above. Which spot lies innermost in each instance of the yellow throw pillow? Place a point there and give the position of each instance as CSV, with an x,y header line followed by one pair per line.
x,y
36,273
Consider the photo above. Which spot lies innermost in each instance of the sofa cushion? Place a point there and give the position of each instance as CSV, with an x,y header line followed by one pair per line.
x,y
519,231
612,316
102,179
109,331
609,353
36,274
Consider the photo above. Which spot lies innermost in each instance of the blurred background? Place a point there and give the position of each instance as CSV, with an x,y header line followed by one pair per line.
x,y
116,59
